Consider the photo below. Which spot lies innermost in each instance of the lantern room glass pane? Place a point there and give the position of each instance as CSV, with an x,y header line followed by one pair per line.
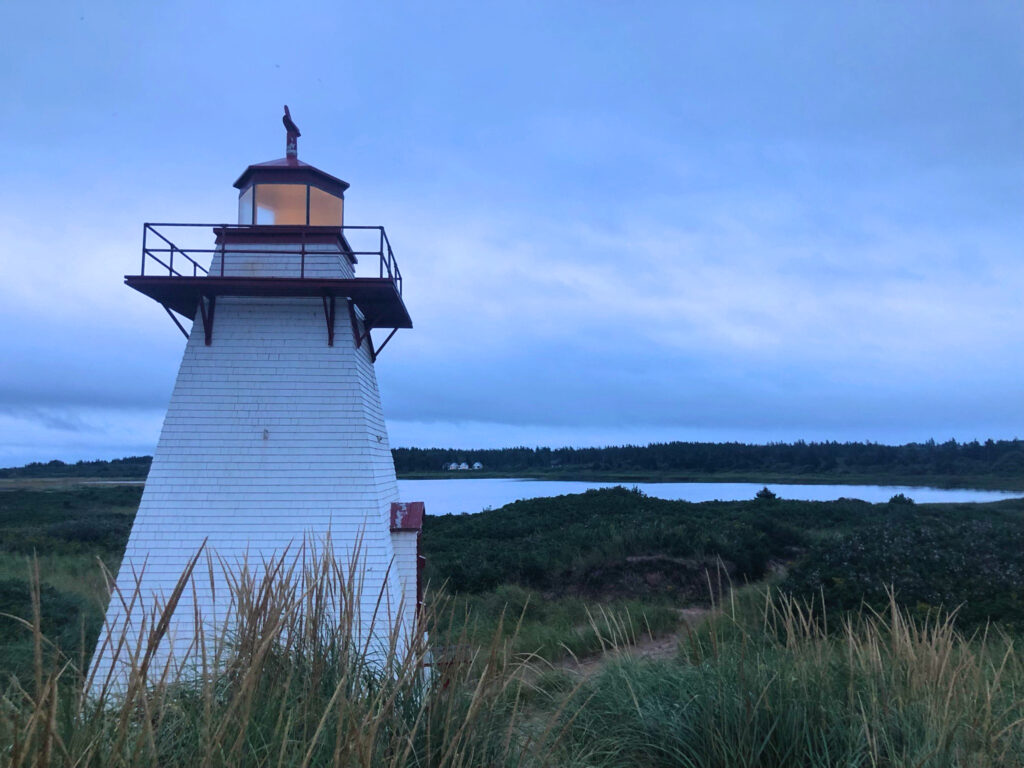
x,y
325,210
281,204
245,207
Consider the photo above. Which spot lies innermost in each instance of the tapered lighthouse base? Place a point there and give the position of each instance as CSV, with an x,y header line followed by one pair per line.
x,y
274,442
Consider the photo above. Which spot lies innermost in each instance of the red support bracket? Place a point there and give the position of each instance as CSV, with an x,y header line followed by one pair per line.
x,y
329,317
207,304
365,335
381,347
176,321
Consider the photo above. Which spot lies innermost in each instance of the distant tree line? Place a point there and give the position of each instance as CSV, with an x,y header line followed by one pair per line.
x,y
131,467
1003,458
1000,457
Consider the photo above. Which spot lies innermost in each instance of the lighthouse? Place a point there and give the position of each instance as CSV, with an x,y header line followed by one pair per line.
x,y
274,440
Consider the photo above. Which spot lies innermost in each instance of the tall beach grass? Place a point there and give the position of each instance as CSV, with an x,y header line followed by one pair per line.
x,y
768,683
285,682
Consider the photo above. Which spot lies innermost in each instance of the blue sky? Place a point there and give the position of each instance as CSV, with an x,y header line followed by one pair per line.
x,y
618,222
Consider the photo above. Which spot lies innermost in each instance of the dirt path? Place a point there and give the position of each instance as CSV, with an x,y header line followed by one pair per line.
x,y
661,647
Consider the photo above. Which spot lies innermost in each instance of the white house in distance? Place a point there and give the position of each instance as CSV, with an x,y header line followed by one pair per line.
x,y
274,434
456,466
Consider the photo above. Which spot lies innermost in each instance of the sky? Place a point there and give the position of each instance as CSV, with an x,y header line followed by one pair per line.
x,y
617,222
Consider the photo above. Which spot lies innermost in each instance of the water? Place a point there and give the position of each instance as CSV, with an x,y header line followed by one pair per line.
x,y
473,495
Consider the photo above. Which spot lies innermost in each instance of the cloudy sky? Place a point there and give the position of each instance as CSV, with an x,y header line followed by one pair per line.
x,y
618,221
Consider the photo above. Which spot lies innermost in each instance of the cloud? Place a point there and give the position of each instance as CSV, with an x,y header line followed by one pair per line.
x,y
742,306
786,221
73,434
747,314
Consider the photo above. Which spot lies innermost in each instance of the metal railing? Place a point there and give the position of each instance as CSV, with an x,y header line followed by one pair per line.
x,y
149,252
172,258
388,263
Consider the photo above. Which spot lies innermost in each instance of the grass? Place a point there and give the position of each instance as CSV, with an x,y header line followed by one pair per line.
x,y
801,674
553,629
292,685
67,532
767,683
71,574
770,686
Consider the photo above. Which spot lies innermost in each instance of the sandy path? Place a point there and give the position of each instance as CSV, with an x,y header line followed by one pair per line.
x,y
661,647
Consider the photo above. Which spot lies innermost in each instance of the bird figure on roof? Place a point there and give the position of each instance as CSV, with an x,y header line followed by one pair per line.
x,y
292,147
289,125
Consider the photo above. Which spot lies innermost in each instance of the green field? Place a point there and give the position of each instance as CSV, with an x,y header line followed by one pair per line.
x,y
838,633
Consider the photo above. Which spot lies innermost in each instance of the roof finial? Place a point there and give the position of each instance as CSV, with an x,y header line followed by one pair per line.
x,y
292,148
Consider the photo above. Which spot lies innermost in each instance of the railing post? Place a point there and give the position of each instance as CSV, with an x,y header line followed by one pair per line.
x,y
381,230
145,228
302,258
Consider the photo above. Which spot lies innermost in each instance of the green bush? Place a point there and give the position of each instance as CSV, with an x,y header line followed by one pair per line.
x,y
971,565
575,545
899,498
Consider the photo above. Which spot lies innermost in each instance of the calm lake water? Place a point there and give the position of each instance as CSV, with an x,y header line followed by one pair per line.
x,y
473,495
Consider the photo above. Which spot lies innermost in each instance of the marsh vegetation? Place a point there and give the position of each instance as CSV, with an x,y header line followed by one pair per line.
x,y
837,634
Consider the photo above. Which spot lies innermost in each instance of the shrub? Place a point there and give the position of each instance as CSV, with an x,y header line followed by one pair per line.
x,y
899,498
973,565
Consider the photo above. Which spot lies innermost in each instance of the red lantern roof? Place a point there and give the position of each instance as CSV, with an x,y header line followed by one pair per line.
x,y
291,170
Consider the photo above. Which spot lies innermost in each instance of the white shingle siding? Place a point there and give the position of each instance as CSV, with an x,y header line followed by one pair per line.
x,y
405,547
271,437
282,260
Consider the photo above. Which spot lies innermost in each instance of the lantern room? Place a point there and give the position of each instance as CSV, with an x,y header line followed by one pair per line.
x,y
290,241
289,192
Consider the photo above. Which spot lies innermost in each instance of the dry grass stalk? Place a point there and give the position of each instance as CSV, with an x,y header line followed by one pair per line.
x,y
288,679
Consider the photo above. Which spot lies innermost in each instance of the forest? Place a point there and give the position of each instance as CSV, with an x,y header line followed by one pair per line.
x,y
128,468
988,464
951,459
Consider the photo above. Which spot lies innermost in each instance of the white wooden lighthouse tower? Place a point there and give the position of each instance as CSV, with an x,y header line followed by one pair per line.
x,y
274,435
